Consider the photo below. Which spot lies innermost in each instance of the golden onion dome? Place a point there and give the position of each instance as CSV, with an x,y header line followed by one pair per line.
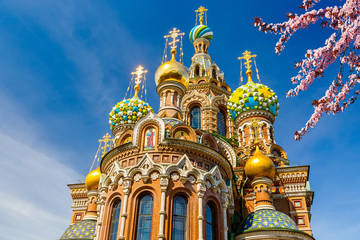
x,y
259,165
172,71
92,179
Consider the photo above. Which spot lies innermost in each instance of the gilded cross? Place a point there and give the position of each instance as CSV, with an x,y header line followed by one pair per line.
x,y
139,74
174,34
247,56
255,125
200,11
106,147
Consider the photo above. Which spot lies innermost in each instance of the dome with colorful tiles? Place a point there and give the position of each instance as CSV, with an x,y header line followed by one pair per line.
x,y
200,31
80,230
267,219
253,96
128,111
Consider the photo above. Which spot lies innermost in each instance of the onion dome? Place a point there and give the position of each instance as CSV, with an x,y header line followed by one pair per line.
x,y
92,179
128,111
80,230
252,96
172,71
259,165
200,31
268,219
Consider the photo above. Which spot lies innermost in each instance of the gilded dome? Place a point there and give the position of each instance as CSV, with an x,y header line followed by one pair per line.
x,y
253,96
128,111
267,219
200,31
92,179
259,165
172,71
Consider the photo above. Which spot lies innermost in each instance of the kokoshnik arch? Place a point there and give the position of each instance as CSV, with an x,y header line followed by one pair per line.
x,y
206,166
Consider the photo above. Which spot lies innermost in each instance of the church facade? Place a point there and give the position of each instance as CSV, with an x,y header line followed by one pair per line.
x,y
205,166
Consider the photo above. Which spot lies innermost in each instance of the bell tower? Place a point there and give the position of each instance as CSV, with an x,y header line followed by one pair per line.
x,y
204,104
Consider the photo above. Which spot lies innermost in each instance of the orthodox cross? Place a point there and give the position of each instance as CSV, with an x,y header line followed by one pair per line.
x,y
247,56
106,147
255,126
200,12
174,34
139,74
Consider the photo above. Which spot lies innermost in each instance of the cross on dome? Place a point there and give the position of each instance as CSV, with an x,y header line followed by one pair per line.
x,y
174,34
106,147
139,74
247,57
200,12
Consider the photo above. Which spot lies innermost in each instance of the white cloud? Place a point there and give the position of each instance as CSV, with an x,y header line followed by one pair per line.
x,y
35,200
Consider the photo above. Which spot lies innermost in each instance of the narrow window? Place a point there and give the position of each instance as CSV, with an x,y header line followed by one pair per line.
x,y
214,73
197,71
221,123
211,233
144,218
115,215
195,117
179,218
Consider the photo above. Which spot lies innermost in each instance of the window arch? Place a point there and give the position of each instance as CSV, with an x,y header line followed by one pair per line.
x,y
211,224
143,229
114,224
179,220
195,117
221,123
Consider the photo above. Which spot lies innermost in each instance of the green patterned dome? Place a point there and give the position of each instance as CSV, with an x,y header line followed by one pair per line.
x,y
253,96
80,230
268,219
128,111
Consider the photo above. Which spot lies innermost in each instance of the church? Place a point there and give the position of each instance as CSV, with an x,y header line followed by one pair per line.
x,y
206,166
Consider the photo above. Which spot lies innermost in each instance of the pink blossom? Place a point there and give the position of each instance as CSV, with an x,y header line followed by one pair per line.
x,y
342,45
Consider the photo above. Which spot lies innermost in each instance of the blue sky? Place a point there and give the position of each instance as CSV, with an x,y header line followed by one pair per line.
x,y
64,64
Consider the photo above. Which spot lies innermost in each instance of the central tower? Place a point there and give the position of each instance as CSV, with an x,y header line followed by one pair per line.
x,y
204,104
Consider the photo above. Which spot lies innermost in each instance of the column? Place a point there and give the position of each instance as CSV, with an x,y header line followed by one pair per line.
x,y
225,203
201,192
172,98
164,181
126,189
101,203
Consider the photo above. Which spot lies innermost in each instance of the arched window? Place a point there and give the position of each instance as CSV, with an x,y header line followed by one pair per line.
x,y
221,123
179,218
115,216
195,117
211,230
143,231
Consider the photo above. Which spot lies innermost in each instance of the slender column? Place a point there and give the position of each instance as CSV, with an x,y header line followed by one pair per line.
x,y
164,100
127,189
164,181
201,192
178,101
172,98
101,204
225,203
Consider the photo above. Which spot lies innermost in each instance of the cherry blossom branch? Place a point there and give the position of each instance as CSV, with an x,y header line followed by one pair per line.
x,y
342,45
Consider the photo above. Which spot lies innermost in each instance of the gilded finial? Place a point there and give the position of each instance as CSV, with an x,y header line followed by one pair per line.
x,y
247,57
254,124
106,140
200,12
139,75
